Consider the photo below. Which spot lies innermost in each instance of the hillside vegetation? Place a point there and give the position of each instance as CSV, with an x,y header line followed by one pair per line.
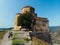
x,y
55,34
37,41
2,33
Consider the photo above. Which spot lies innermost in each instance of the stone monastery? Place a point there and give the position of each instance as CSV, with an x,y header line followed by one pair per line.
x,y
41,23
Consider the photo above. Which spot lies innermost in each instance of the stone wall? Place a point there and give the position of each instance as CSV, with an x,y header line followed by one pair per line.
x,y
38,25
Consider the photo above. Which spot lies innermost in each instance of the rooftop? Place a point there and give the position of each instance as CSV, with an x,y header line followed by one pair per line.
x,y
18,13
28,6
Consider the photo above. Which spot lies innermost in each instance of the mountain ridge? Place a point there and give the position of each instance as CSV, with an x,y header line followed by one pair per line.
x,y
54,28
51,28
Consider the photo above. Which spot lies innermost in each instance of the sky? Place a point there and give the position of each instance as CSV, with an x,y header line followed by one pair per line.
x,y
44,8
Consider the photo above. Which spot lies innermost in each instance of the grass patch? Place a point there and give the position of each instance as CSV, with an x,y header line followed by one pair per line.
x,y
2,33
15,36
17,42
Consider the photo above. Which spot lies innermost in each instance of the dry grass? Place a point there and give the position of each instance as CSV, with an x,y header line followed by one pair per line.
x,y
38,42
2,33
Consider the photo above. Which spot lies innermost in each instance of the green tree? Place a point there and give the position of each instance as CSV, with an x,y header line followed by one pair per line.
x,y
26,20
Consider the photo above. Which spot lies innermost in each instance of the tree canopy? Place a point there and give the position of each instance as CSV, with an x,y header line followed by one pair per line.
x,y
26,20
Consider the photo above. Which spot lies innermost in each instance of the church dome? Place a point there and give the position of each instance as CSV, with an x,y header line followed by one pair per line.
x,y
28,9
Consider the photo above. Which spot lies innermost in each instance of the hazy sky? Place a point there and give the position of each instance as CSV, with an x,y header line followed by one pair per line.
x,y
44,8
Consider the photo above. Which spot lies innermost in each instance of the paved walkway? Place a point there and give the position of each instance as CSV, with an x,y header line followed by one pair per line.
x,y
5,40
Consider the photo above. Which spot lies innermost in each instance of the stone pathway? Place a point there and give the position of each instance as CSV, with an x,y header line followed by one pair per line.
x,y
5,40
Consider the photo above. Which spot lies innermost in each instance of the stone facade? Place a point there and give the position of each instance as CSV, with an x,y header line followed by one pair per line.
x,y
41,23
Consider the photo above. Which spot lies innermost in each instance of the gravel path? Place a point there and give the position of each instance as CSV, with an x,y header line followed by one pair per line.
x,y
5,40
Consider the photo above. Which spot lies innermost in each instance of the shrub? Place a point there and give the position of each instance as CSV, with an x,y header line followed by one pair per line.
x,y
26,39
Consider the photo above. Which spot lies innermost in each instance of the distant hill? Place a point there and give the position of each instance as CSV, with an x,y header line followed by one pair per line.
x,y
54,28
51,28
6,28
55,34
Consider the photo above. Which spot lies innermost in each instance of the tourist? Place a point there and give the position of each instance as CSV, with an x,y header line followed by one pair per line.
x,y
10,34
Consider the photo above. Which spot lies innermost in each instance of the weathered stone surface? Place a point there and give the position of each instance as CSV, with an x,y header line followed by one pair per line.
x,y
41,22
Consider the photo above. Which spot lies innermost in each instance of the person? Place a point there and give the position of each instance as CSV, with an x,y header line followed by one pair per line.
x,y
10,34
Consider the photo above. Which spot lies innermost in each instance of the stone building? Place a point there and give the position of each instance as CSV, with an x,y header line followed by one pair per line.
x,y
41,23
41,26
